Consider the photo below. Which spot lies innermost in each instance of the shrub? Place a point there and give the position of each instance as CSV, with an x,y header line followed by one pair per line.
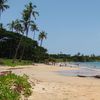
x,y
12,87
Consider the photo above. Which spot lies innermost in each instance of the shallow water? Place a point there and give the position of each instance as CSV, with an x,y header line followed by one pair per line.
x,y
88,64
86,69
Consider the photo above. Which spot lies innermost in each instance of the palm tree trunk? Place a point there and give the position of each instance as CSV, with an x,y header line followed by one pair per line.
x,y
0,15
11,30
23,47
16,51
0,21
34,36
41,42
22,54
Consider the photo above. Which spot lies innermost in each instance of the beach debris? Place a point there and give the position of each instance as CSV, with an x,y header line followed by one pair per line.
x,y
5,73
43,88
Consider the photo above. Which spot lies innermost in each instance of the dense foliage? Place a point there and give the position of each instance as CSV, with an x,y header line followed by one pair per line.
x,y
76,58
9,62
13,87
8,44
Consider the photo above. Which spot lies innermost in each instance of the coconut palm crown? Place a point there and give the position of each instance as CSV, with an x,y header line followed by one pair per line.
x,y
33,29
42,36
11,26
3,6
31,10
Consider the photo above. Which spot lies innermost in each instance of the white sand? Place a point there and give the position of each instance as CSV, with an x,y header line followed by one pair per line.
x,y
51,86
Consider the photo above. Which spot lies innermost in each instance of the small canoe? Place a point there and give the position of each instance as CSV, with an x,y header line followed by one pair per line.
x,y
82,76
97,76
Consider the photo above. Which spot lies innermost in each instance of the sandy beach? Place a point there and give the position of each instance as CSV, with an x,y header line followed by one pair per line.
x,y
47,84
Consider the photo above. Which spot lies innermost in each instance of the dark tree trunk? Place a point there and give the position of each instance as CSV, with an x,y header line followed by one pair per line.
x,y
16,51
34,36
41,43
22,54
21,57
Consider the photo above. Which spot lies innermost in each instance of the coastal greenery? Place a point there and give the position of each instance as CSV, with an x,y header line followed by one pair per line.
x,y
8,44
8,62
75,58
13,87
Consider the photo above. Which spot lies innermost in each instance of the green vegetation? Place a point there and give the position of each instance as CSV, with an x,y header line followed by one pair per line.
x,y
16,48
42,36
8,44
15,44
75,58
9,62
13,87
3,6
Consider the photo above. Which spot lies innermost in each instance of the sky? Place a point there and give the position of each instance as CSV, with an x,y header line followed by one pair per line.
x,y
72,25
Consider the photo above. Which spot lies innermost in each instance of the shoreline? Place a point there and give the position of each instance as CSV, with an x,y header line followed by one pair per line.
x,y
49,85
83,71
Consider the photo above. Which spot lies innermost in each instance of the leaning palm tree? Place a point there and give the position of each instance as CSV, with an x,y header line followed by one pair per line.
x,y
3,6
19,29
34,28
11,25
42,36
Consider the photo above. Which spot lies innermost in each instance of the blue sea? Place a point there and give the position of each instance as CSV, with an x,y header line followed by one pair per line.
x,y
85,69
88,64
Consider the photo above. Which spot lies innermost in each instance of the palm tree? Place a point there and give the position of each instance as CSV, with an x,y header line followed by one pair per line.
x,y
33,29
19,29
11,25
27,14
26,25
31,10
42,36
18,26
3,6
25,21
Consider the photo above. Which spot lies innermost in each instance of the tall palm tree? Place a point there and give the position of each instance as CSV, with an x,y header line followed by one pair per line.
x,y
3,6
42,36
27,14
26,25
31,10
19,29
25,21
34,28
11,25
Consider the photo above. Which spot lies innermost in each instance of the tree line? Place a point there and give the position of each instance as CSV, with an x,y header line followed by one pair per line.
x,y
75,58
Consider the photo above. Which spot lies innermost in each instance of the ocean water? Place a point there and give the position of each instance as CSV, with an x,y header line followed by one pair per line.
x,y
88,64
85,69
